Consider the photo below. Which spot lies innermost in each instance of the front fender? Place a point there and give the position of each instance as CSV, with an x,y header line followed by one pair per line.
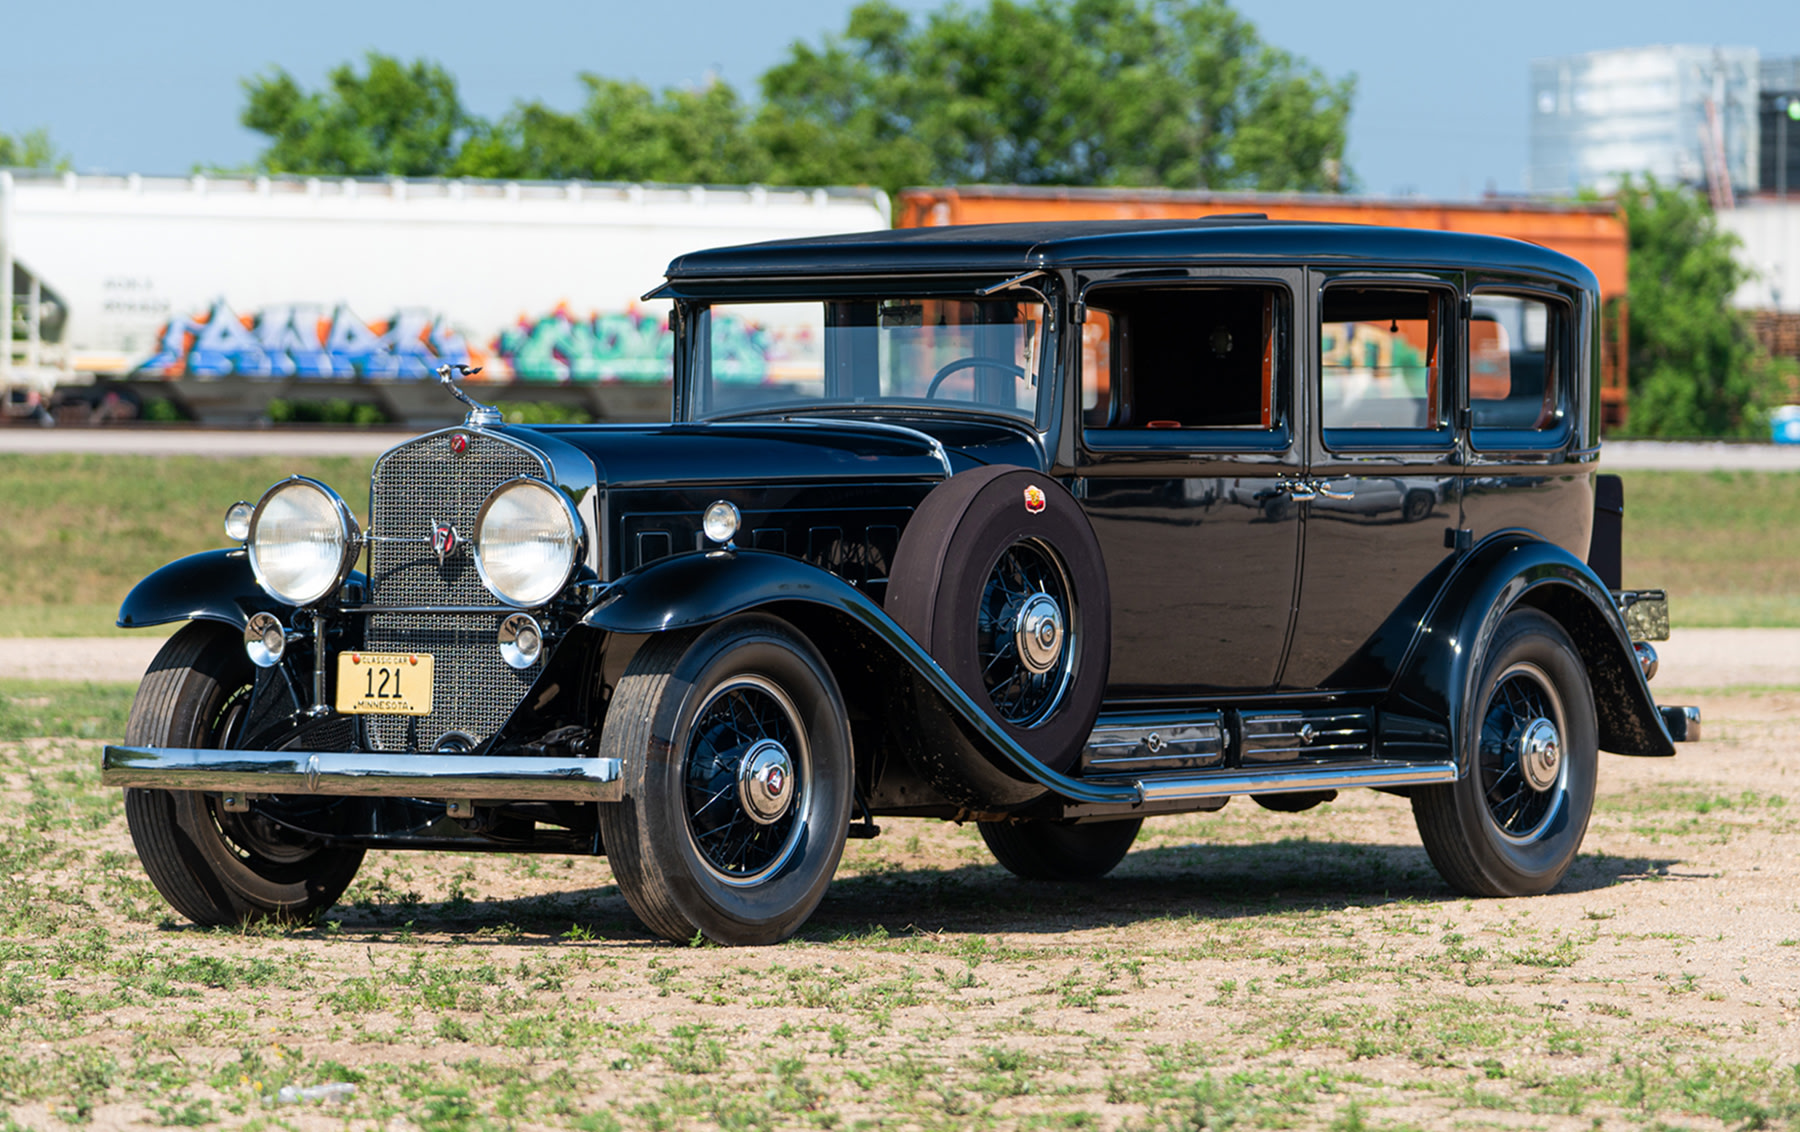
x,y
214,585
1438,677
691,590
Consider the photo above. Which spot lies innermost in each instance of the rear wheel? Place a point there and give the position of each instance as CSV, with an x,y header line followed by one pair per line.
x,y
736,762
215,867
1038,850
1511,826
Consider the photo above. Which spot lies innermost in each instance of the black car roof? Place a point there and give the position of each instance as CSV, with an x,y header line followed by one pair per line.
x,y
1011,248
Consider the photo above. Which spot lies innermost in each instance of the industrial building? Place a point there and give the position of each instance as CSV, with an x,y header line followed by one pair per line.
x,y
1722,118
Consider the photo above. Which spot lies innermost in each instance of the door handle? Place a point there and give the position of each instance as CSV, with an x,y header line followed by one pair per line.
x,y
1319,486
1298,490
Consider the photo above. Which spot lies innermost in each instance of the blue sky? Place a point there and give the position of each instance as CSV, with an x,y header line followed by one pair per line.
x,y
127,86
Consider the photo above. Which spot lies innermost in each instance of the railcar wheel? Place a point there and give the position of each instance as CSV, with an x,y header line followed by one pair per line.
x,y
737,773
1037,850
214,867
1512,824
1000,577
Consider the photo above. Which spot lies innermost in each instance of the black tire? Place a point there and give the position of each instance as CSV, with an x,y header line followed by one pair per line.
x,y
1040,850
213,867
948,589
1511,826
688,851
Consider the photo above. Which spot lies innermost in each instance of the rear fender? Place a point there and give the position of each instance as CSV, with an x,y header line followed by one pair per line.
x,y
214,585
1438,677
691,590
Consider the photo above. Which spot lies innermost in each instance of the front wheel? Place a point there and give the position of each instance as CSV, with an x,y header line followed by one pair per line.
x,y
1511,825
213,866
737,771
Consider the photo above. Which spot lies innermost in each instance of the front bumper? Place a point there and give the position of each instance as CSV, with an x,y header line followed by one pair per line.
x,y
364,775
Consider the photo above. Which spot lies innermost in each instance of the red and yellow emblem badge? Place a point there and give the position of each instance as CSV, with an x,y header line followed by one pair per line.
x,y
1034,499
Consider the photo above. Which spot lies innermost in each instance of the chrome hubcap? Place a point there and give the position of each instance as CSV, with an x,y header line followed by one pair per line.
x,y
765,782
1038,633
1540,754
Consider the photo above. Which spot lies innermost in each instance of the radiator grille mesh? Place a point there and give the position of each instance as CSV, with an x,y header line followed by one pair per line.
x,y
416,486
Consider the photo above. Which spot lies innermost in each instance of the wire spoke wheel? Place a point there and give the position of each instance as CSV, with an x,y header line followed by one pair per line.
x,y
734,744
746,775
1521,759
1512,823
1025,636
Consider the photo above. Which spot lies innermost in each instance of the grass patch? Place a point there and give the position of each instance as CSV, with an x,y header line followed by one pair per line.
x,y
1726,545
31,709
84,528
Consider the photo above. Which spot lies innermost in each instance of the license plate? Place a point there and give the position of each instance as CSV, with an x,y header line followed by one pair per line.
x,y
384,683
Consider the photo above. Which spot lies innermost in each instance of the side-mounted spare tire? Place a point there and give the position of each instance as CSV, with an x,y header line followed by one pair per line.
x,y
1000,577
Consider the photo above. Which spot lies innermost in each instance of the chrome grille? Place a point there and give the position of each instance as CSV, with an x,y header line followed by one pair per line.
x,y
415,486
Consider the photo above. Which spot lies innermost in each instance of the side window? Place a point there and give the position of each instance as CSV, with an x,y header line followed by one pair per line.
x,y
1381,359
1514,379
1181,357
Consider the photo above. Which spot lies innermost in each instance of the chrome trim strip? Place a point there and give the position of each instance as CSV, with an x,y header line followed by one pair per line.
x,y
361,774
1177,788
937,446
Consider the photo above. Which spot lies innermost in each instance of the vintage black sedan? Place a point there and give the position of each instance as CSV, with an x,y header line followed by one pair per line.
x,y
1048,527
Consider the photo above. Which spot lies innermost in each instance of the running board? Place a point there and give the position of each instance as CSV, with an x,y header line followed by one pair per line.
x,y
1174,791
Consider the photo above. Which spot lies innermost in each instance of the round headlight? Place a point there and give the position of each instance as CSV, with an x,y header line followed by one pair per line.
x,y
526,541
303,540
721,522
237,520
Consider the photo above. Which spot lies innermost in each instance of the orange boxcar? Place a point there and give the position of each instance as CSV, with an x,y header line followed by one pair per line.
x,y
1591,233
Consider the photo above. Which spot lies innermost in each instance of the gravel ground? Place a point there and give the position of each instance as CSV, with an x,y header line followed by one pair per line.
x,y
1695,658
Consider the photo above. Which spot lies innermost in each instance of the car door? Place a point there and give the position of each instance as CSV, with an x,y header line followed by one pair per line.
x,y
1187,445
1520,472
1383,463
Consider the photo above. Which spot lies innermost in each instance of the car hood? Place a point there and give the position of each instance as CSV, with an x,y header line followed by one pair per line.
x,y
787,451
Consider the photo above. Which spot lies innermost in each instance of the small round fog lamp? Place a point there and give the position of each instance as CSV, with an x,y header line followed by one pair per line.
x,y
264,640
721,522
521,640
237,520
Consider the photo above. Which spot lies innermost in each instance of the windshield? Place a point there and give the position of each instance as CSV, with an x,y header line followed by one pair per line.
x,y
940,352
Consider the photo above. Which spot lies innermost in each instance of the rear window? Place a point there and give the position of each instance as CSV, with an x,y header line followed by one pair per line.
x,y
1515,383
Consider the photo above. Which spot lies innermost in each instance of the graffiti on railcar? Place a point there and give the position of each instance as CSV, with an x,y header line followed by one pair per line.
x,y
311,341
302,341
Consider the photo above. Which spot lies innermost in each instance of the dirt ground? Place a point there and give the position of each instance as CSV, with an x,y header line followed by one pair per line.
x,y
1244,969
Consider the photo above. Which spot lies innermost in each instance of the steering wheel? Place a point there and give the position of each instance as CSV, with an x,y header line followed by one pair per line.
x,y
973,361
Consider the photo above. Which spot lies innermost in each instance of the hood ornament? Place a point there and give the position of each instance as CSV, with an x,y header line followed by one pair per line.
x,y
480,416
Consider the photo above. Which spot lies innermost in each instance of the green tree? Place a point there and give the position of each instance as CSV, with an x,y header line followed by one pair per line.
x,y
1695,369
624,132
396,119
1176,93
30,150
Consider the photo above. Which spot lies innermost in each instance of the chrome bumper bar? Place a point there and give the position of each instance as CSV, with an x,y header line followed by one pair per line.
x,y
364,775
